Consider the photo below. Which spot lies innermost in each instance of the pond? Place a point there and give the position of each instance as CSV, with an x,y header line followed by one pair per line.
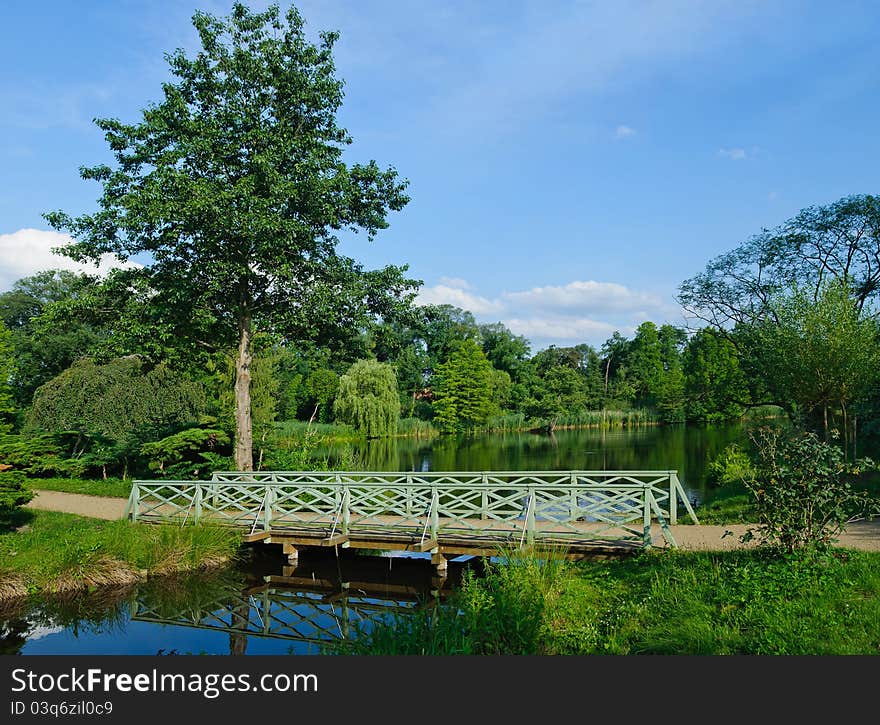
x,y
687,449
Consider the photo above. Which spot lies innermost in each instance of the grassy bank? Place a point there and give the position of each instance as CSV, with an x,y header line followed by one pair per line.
x,y
45,552
741,602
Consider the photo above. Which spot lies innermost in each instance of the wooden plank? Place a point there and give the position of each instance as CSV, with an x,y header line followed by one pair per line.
x,y
256,536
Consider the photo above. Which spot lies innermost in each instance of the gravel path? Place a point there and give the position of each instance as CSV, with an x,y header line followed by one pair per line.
x,y
863,535
98,507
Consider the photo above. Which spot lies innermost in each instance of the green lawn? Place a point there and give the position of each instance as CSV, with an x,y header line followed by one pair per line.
x,y
742,602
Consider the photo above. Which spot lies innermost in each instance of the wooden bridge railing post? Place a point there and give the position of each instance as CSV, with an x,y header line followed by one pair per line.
x,y
435,512
346,508
676,483
197,504
572,497
134,500
484,498
530,517
409,494
646,514
267,505
673,499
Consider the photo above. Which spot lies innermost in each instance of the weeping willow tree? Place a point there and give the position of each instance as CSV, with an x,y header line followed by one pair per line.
x,y
368,398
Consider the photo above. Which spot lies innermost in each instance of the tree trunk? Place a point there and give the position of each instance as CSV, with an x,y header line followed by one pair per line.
x,y
244,443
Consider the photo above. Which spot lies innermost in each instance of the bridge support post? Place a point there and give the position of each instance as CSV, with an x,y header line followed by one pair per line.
x,y
440,563
292,554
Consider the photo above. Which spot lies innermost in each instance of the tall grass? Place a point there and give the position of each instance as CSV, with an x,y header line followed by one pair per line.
x,y
501,612
59,552
416,428
326,431
609,418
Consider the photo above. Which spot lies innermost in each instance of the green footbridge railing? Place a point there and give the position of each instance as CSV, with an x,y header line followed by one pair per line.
x,y
552,507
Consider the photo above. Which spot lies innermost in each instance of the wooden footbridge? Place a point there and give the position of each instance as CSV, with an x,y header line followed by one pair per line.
x,y
445,514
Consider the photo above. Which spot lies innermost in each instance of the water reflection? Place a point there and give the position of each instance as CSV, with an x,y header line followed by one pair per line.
x,y
268,608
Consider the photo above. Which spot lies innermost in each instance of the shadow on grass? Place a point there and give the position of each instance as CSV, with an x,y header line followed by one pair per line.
x,y
15,519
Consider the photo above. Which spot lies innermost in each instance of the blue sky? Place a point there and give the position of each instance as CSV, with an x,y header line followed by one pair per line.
x,y
570,163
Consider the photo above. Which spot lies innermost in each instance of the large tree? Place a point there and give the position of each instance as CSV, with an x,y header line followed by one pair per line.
x,y
462,388
819,353
840,241
234,187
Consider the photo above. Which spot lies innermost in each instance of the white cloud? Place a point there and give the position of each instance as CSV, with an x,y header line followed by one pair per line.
x,y
456,282
580,311
589,294
733,154
624,132
28,251
442,294
574,330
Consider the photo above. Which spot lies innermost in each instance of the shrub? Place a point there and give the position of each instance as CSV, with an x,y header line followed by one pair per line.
x,y
803,491
189,446
13,492
732,465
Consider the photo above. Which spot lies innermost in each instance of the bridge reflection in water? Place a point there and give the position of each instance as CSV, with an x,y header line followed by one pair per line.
x,y
322,600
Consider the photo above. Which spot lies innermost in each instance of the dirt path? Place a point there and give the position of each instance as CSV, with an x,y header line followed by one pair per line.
x,y
98,507
863,535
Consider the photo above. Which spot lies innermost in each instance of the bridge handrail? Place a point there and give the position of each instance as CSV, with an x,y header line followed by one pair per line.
x,y
424,501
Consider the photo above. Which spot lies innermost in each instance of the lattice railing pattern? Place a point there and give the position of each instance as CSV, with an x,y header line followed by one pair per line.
x,y
555,506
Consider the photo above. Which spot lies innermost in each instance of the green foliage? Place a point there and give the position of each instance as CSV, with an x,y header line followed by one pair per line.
x,y
321,386
462,389
7,363
736,602
109,487
732,466
715,384
818,350
44,454
368,398
803,491
45,343
13,492
645,363
113,408
503,611
835,242
189,446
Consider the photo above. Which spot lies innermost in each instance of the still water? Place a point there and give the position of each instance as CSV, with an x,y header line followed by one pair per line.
x,y
687,449
265,607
